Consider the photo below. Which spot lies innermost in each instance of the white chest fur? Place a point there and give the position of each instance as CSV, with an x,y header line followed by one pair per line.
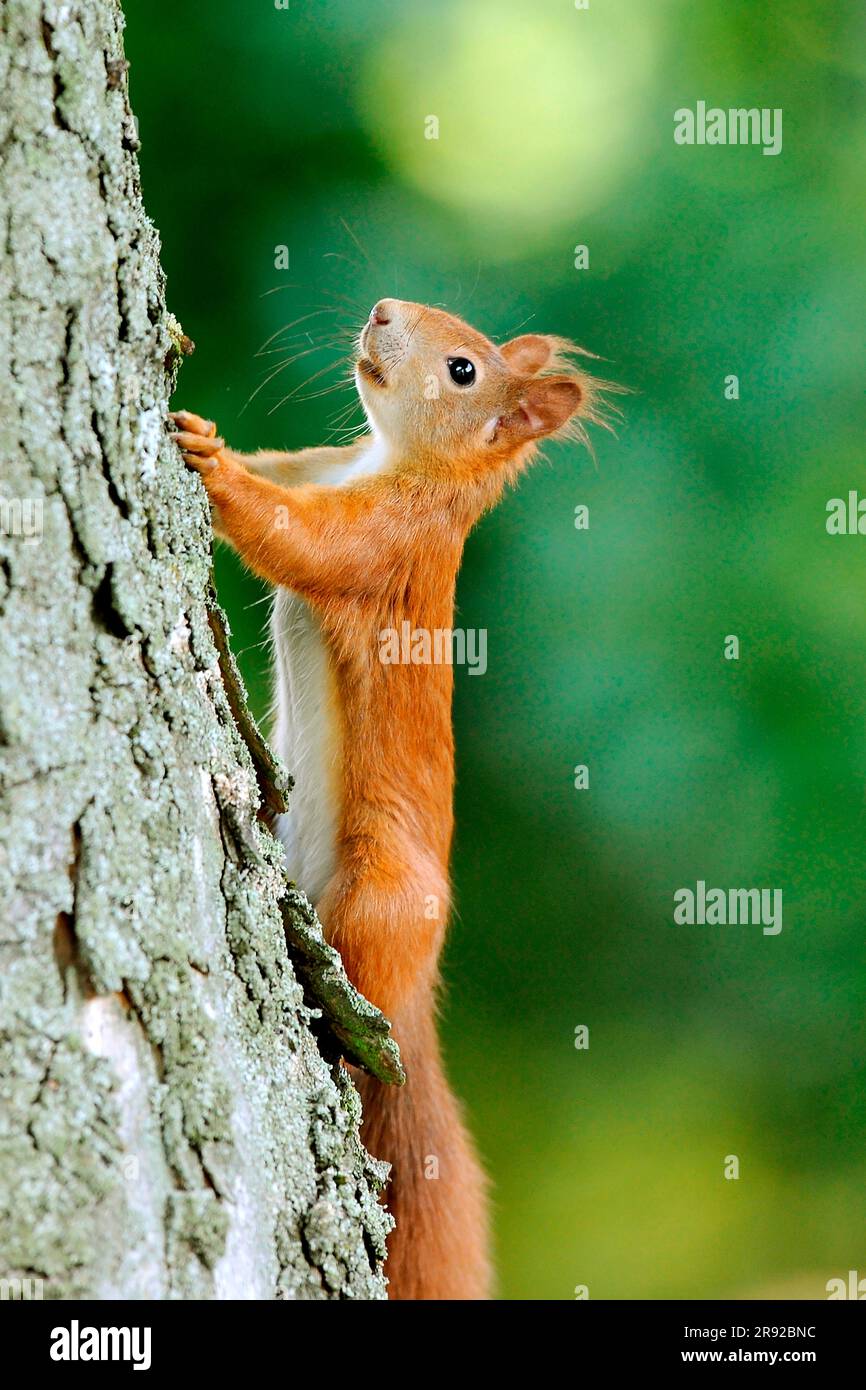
x,y
308,740
308,732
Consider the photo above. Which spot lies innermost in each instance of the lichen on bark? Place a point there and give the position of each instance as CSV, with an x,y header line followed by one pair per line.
x,y
173,1119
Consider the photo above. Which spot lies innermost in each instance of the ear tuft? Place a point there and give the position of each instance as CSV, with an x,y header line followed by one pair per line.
x,y
556,396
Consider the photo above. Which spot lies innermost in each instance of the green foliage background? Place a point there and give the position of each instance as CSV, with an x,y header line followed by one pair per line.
x,y
305,127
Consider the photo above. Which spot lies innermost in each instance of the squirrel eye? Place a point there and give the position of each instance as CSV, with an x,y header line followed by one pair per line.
x,y
461,371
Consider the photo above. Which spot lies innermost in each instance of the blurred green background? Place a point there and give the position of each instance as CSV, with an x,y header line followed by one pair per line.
x,y
304,127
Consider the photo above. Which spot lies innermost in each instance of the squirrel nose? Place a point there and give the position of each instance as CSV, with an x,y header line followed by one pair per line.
x,y
379,312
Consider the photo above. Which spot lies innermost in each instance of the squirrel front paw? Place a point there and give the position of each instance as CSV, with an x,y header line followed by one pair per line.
x,y
197,440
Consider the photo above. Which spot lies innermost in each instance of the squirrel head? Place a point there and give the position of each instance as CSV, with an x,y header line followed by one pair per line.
x,y
436,390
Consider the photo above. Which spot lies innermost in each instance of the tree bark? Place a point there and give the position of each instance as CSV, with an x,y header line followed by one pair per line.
x,y
175,1121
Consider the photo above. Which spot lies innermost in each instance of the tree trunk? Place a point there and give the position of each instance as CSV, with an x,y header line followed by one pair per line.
x,y
174,1120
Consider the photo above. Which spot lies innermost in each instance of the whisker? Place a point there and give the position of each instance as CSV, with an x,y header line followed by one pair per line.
x,y
290,361
302,338
344,304
293,393
343,385
302,319
363,251
276,290
474,287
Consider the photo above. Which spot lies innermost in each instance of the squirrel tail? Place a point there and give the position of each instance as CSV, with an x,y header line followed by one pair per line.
x,y
437,1190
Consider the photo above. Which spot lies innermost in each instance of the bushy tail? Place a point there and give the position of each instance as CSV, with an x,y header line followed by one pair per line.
x,y
437,1190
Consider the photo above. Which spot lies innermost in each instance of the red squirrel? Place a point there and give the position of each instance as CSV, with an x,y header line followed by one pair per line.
x,y
357,541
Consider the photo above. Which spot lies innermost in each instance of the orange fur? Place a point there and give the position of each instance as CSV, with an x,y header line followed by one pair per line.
x,y
365,556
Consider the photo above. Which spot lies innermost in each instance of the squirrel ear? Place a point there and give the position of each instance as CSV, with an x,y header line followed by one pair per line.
x,y
528,353
545,407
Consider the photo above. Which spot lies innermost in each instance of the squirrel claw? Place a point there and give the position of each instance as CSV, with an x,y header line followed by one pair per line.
x,y
201,465
197,440
193,424
199,453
